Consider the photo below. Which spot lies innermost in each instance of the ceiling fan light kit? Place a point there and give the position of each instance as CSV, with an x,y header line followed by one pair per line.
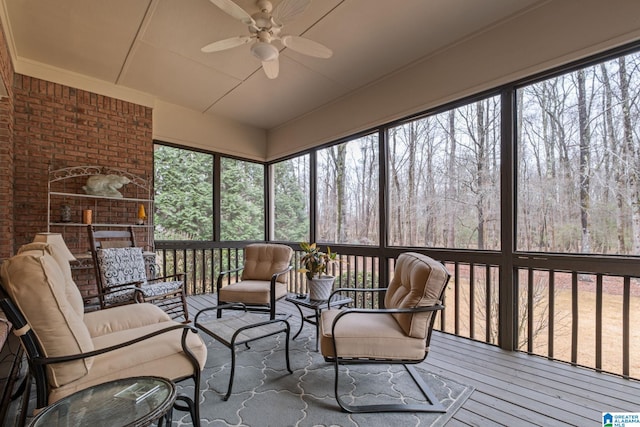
x,y
264,51
265,27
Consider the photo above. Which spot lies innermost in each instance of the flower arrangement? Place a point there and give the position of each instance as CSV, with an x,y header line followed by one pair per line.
x,y
315,262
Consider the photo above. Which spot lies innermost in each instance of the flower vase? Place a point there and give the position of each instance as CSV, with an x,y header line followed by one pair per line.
x,y
320,287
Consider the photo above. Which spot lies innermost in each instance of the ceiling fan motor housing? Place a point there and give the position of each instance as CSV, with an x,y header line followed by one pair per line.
x,y
263,20
265,6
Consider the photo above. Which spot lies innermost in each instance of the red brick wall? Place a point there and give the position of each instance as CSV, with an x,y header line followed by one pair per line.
x,y
60,126
7,243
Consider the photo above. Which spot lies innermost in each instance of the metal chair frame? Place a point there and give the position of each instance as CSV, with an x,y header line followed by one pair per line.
x,y
432,404
38,362
270,308
174,303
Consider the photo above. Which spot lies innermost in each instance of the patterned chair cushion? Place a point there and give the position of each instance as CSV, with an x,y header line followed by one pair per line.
x,y
120,296
121,266
160,288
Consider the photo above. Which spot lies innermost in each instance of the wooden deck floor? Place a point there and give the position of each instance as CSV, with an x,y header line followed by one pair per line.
x,y
513,389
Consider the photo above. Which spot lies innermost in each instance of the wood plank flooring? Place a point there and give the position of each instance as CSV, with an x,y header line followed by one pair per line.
x,y
512,389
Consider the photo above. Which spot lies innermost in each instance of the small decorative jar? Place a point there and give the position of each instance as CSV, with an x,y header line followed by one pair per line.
x,y
65,213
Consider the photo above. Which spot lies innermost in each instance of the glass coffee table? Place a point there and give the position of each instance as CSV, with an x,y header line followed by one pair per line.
x,y
303,300
136,401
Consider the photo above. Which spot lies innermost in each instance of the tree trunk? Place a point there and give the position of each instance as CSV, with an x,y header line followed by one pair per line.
x,y
451,180
480,170
631,156
339,156
585,172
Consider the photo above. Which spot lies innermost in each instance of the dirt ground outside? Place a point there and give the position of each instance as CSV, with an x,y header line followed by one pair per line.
x,y
612,319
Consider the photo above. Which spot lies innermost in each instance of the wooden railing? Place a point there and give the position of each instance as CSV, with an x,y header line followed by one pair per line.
x,y
581,313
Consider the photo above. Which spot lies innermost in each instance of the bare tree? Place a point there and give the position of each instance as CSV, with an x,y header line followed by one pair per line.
x,y
451,179
338,155
630,154
585,172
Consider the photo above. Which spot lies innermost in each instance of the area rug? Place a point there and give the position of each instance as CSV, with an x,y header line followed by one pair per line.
x,y
265,394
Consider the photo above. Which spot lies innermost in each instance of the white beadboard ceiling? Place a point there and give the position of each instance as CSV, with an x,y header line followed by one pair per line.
x,y
153,46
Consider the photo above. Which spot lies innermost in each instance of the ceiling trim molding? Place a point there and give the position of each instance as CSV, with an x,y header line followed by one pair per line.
x,y
80,81
8,32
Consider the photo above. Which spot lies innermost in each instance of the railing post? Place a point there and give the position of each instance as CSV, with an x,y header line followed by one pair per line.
x,y
508,295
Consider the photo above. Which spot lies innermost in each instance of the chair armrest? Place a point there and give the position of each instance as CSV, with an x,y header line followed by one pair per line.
x,y
177,277
224,273
236,305
272,287
354,290
435,307
80,356
113,289
280,273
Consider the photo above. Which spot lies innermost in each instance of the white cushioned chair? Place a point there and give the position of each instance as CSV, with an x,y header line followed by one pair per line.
x,y
69,350
397,334
263,280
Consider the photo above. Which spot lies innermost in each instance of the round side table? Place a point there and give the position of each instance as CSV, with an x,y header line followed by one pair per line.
x,y
136,401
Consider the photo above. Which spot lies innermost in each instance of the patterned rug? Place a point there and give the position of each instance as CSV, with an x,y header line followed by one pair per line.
x,y
265,394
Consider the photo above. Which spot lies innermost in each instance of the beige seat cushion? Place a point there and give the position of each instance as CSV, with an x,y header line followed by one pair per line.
x,y
418,282
159,356
37,286
262,260
252,292
362,335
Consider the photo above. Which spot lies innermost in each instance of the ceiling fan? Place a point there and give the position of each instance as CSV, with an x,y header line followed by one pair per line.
x,y
264,28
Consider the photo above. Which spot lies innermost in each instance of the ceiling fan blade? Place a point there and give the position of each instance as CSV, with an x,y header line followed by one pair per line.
x,y
226,44
307,47
234,10
289,9
271,68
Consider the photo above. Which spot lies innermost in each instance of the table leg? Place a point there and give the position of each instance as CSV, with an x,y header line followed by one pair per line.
x,y
166,419
317,322
233,370
301,321
188,406
286,343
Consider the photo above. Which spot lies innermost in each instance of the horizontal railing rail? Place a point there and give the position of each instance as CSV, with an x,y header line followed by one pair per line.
x,y
576,309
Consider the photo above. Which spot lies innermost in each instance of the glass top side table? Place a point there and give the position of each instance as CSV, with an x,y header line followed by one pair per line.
x,y
136,401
